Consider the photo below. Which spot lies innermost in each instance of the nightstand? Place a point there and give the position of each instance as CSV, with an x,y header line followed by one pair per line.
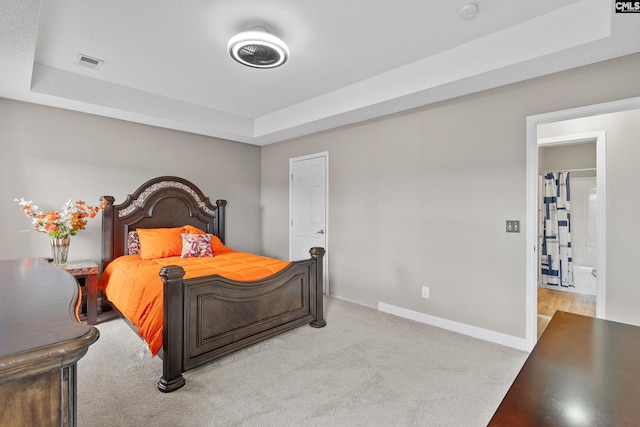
x,y
88,271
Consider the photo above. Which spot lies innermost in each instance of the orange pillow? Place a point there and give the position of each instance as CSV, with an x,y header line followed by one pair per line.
x,y
190,229
160,242
217,247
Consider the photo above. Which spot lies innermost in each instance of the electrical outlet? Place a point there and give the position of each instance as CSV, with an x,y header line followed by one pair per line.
x,y
513,226
425,292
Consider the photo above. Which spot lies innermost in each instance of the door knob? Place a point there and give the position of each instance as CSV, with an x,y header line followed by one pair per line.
x,y
320,232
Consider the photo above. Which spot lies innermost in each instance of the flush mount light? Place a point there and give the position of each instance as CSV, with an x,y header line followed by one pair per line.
x,y
258,49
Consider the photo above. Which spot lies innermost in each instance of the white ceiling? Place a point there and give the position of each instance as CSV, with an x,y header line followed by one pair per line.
x,y
166,62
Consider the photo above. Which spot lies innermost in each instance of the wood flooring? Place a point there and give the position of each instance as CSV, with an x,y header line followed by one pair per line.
x,y
550,300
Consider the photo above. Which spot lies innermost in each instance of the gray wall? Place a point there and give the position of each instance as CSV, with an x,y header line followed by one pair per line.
x,y
50,155
421,198
568,156
623,205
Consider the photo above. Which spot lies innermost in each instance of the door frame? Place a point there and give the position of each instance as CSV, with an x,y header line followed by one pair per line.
x,y
325,154
532,122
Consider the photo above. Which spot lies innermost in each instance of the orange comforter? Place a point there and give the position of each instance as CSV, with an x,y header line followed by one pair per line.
x,y
135,288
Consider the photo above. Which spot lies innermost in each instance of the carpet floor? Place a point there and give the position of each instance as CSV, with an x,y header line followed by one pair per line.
x,y
365,368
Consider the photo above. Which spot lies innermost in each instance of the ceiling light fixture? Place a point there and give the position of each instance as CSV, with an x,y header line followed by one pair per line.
x,y
258,48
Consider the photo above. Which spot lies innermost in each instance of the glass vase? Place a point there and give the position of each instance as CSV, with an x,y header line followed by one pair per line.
x,y
60,251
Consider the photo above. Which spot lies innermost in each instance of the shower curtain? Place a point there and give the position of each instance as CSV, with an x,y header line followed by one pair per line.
x,y
556,262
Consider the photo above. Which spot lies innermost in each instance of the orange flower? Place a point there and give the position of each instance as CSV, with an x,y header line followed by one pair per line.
x,y
68,222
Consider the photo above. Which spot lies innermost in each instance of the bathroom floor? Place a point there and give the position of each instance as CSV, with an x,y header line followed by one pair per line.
x,y
549,301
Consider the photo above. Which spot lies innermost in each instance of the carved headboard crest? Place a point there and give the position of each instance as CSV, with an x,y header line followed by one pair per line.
x,y
139,201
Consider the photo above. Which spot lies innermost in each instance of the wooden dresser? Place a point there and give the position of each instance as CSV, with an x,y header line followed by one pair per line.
x,y
40,343
582,372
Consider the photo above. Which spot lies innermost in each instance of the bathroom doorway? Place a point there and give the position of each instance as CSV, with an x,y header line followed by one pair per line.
x,y
618,122
558,129
569,162
567,223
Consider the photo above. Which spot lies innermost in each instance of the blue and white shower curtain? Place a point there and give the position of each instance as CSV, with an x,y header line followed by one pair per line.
x,y
556,262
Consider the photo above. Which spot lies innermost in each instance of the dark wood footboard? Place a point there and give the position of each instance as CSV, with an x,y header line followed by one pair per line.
x,y
208,317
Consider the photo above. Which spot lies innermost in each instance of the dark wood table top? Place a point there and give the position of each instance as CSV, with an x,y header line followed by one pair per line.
x,y
37,315
582,372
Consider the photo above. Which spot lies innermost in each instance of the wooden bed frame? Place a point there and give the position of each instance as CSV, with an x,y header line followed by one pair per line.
x,y
208,317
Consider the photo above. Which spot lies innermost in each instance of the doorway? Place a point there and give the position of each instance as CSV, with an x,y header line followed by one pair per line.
x,y
532,253
567,222
308,208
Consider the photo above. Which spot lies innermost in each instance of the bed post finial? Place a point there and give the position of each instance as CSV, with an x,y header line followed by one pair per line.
x,y
317,254
173,321
220,218
107,231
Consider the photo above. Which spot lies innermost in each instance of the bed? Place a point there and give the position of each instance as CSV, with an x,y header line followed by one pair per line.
x,y
206,317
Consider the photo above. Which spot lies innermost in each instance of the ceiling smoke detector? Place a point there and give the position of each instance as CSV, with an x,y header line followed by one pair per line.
x,y
258,48
468,10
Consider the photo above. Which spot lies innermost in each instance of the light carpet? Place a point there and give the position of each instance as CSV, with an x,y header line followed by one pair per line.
x,y
365,368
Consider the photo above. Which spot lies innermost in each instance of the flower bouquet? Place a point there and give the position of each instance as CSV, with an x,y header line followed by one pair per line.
x,y
60,226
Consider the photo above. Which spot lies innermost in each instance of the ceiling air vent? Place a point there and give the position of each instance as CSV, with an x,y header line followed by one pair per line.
x,y
89,62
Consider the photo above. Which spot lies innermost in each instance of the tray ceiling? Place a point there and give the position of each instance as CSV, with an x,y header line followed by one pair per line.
x,y
166,63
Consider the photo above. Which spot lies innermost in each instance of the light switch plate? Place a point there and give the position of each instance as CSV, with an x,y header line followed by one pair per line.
x,y
513,226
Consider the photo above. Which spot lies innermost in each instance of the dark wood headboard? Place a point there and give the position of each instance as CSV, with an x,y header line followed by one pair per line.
x,y
166,201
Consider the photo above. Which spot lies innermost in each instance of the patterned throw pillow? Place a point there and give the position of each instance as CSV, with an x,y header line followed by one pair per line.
x,y
196,245
133,243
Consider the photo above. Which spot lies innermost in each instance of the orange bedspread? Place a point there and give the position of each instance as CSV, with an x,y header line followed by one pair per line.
x,y
135,288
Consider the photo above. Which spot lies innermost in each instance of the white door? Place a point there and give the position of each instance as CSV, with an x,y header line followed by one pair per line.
x,y
308,207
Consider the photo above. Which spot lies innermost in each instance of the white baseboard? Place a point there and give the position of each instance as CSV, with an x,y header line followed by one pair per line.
x,y
461,328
